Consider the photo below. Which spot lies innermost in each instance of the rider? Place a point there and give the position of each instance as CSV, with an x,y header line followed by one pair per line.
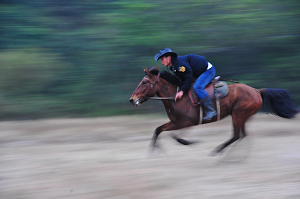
x,y
189,66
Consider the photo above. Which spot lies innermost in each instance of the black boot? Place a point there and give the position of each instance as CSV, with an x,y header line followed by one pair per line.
x,y
208,107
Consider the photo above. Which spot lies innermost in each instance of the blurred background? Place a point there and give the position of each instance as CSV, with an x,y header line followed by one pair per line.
x,y
62,58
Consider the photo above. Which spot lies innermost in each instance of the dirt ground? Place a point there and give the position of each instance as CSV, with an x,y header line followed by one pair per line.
x,y
109,158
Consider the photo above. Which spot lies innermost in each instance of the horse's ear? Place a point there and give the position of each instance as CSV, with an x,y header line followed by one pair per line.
x,y
147,71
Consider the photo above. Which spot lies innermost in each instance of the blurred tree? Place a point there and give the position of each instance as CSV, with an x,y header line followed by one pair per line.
x,y
85,58
28,70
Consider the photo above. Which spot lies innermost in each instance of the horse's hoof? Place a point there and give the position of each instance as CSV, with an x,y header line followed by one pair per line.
x,y
196,141
156,151
213,153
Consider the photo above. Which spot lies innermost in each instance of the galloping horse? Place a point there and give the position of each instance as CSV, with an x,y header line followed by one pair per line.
x,y
241,102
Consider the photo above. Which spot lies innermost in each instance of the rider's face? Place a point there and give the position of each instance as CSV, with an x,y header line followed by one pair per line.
x,y
166,61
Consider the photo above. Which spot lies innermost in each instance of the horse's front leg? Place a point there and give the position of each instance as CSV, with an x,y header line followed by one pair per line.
x,y
172,126
165,127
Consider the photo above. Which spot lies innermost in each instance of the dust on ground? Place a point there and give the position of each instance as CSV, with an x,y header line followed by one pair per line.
x,y
109,158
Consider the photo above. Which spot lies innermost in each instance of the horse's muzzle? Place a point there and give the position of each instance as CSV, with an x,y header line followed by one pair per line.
x,y
136,103
131,101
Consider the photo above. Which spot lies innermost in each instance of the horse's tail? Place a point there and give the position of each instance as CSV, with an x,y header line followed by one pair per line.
x,y
278,102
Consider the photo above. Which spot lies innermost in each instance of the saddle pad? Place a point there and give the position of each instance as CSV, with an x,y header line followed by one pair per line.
x,y
221,90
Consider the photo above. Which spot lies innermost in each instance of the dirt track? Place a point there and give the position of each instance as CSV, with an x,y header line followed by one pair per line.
x,y
108,158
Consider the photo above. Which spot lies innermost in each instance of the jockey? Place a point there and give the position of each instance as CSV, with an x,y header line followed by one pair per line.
x,y
189,66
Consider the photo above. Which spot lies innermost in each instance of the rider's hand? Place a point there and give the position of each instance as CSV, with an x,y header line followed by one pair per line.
x,y
178,95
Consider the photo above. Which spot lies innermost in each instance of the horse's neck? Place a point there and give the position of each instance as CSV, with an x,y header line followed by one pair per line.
x,y
166,89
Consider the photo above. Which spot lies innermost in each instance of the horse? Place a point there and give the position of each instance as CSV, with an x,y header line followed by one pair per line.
x,y
241,103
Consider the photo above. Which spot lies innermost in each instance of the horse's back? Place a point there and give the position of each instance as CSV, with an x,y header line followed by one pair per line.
x,y
244,97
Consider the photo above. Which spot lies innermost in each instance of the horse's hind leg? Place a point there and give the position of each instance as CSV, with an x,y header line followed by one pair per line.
x,y
239,119
235,137
243,107
243,132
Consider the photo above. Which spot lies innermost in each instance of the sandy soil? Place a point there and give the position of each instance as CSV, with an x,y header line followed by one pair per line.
x,y
109,158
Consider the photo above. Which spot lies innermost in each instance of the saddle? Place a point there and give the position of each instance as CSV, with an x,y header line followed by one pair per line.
x,y
215,89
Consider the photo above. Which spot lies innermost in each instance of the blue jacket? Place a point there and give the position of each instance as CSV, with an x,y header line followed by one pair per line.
x,y
188,66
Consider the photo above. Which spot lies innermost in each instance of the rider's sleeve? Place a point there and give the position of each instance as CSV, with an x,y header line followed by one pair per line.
x,y
188,77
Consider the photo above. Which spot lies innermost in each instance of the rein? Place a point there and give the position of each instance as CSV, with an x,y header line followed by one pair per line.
x,y
230,80
162,98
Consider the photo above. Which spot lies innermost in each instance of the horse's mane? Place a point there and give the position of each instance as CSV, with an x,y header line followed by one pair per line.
x,y
169,77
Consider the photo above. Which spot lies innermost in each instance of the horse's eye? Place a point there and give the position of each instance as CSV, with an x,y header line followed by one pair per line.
x,y
144,83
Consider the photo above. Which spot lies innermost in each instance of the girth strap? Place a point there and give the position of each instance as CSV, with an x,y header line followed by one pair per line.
x,y
218,106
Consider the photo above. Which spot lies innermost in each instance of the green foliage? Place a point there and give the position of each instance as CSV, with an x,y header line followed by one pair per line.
x,y
29,70
85,58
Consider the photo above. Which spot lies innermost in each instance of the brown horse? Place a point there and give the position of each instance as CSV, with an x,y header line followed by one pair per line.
x,y
241,102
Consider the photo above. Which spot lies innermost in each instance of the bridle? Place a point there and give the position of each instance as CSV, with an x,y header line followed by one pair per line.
x,y
152,83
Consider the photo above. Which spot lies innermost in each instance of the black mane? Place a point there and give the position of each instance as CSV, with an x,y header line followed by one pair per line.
x,y
169,77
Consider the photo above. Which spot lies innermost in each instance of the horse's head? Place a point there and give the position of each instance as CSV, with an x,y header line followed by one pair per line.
x,y
146,88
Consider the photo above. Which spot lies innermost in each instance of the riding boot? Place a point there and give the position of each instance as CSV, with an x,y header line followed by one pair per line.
x,y
208,107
